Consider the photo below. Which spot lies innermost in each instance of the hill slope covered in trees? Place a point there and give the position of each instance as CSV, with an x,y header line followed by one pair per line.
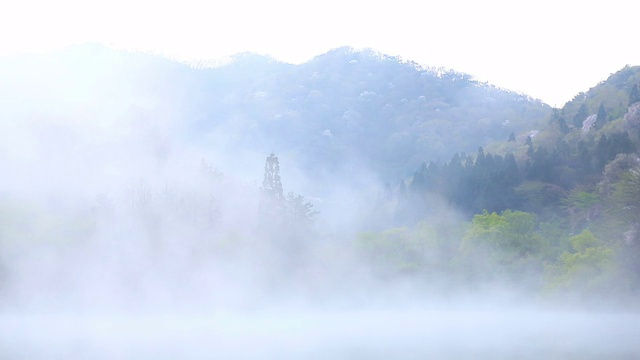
x,y
342,109
116,153
555,208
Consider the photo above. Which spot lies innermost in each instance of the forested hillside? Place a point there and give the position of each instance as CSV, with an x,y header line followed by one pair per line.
x,y
342,108
578,148
134,179
555,207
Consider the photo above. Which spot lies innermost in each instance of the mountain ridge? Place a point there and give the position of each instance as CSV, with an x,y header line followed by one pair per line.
x,y
346,105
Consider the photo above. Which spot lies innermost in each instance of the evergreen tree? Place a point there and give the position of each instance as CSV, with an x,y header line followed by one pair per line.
x,y
563,149
272,202
402,189
625,145
634,95
529,144
602,152
510,169
418,183
454,174
584,157
292,210
480,158
558,118
562,125
433,177
601,118
580,116
271,183
541,167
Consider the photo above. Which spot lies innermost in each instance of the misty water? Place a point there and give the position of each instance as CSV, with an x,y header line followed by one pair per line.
x,y
119,295
392,333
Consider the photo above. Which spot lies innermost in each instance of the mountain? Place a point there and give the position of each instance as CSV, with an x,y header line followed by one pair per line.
x,y
359,106
111,165
554,209
342,109
584,147
611,99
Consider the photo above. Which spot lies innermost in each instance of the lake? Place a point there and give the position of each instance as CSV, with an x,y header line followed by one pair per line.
x,y
382,333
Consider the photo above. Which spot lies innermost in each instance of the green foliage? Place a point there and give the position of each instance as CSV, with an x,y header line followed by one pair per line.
x,y
24,221
554,235
582,207
583,241
614,94
581,199
582,186
488,228
561,159
392,251
511,231
625,200
504,247
589,268
539,197
425,249
272,184
601,117
299,210
580,116
292,212
634,95
486,183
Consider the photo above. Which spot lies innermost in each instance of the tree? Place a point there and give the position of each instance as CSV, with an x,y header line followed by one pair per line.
x,y
292,210
480,158
558,118
562,125
541,167
272,202
504,244
634,95
583,208
271,184
299,211
588,269
624,204
426,249
584,157
626,195
601,117
510,172
601,155
580,116
511,231
529,143
285,222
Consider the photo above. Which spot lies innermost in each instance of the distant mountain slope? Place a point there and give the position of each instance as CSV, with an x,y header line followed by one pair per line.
x,y
342,108
602,110
361,106
584,148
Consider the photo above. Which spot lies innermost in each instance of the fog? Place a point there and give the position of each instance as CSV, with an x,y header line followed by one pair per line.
x,y
304,333
124,236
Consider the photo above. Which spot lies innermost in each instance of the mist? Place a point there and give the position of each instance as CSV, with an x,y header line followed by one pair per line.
x,y
136,223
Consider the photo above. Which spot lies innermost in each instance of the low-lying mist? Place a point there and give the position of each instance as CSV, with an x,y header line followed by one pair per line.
x,y
115,252
122,237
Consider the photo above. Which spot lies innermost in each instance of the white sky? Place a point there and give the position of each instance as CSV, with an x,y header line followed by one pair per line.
x,y
549,49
